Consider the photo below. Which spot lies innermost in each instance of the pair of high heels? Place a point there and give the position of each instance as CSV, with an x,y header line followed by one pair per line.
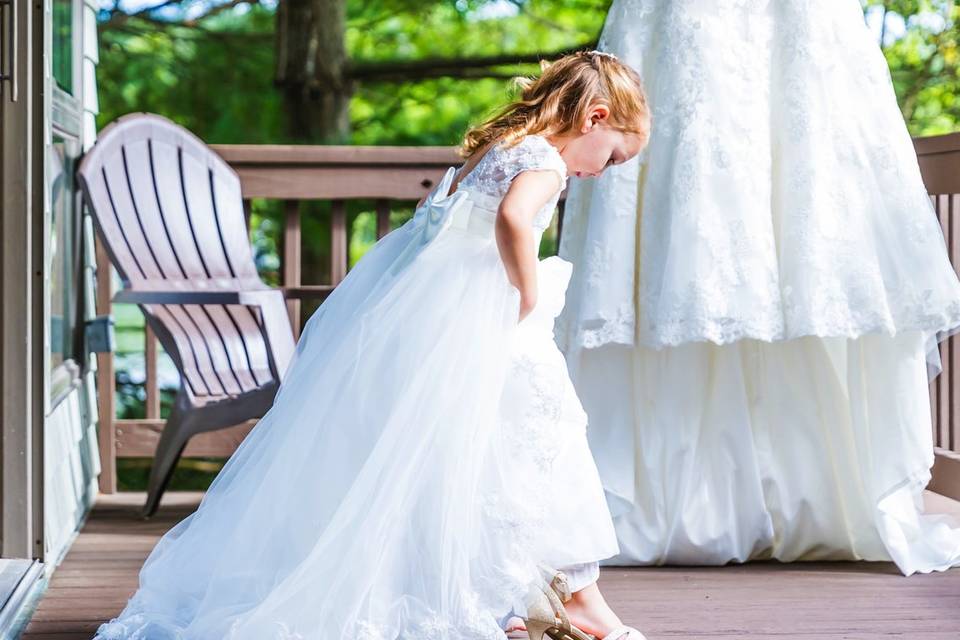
x,y
547,618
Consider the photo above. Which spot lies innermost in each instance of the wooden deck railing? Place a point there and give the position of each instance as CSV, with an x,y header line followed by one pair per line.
x,y
940,165
291,174
387,175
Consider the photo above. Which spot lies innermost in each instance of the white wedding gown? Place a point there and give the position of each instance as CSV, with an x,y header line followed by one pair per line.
x,y
400,485
757,299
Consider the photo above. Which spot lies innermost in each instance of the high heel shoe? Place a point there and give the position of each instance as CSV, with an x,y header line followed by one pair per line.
x,y
546,616
557,580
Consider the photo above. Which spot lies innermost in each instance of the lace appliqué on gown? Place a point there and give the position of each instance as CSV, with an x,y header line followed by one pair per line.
x,y
498,167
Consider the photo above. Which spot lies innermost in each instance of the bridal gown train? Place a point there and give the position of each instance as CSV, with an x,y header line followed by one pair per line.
x,y
757,299
398,487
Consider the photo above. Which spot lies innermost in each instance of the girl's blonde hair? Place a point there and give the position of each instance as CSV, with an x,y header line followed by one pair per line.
x,y
557,101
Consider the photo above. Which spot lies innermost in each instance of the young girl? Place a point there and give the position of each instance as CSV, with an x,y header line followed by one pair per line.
x,y
425,462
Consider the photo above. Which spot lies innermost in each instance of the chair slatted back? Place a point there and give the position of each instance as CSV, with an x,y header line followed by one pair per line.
x,y
170,213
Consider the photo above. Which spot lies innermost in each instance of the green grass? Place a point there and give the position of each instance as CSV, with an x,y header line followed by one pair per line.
x,y
128,327
190,474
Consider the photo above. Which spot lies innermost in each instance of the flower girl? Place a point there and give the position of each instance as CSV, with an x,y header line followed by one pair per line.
x,y
425,462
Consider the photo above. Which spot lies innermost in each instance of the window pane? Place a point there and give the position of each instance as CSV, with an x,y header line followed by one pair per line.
x,y
64,252
63,44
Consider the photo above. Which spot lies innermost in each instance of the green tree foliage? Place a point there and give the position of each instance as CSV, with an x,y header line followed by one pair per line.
x,y
213,77
215,74
920,42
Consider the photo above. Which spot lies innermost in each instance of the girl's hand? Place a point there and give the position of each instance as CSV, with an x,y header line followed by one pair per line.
x,y
527,303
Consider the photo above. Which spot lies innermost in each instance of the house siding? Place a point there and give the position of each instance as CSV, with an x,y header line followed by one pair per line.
x,y
71,456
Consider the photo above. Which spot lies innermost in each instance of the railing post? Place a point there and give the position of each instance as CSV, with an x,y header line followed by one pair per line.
x,y
106,385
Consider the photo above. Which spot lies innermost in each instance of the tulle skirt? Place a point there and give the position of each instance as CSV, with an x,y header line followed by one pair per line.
x,y
396,488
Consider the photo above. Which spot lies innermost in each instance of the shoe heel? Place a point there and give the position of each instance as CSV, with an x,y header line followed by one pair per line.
x,y
538,629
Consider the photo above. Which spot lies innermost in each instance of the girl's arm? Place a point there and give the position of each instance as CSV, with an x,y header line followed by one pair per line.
x,y
528,192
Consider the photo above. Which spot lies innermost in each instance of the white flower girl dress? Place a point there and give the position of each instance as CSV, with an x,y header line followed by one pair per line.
x,y
758,298
423,454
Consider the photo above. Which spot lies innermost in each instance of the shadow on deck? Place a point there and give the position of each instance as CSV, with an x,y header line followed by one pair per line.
x,y
758,600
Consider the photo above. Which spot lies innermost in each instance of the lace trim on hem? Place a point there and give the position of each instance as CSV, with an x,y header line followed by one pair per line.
x,y
619,331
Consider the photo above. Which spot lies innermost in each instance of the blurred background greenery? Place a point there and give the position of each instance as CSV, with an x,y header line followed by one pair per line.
x,y
385,72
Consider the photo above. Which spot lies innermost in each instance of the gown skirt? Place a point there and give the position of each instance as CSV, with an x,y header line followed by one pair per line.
x,y
423,454
758,299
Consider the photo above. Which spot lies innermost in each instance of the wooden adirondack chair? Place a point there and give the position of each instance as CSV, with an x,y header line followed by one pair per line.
x,y
170,213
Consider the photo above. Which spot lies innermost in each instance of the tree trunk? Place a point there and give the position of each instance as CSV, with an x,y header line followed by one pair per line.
x,y
311,70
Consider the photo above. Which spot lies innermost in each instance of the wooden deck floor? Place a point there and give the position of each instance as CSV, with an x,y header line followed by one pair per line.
x,y
769,600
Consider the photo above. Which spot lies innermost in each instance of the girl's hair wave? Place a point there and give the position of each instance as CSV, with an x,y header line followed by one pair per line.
x,y
557,101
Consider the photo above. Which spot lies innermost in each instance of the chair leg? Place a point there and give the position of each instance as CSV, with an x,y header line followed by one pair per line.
x,y
173,440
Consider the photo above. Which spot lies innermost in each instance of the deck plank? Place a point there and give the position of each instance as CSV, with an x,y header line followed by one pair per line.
x,y
756,601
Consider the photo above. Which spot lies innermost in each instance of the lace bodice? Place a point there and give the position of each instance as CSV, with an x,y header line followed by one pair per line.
x,y
498,167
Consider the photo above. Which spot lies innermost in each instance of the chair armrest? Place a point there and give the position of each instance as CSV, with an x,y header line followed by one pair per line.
x,y
275,321
177,297
253,298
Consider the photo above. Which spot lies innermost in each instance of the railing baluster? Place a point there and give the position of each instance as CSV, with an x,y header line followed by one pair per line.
x,y
934,414
944,415
150,374
338,241
943,394
247,212
291,258
953,351
561,208
383,217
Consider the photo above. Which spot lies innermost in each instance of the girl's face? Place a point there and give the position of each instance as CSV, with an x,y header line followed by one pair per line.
x,y
596,145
